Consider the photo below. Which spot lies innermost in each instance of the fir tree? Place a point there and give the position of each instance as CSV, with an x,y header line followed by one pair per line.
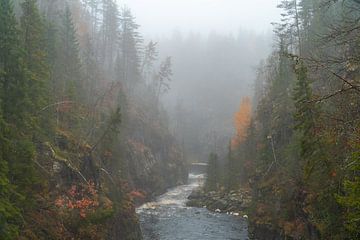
x,y
305,117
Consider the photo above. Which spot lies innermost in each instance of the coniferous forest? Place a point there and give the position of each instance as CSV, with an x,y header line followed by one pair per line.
x,y
78,146
95,144
297,150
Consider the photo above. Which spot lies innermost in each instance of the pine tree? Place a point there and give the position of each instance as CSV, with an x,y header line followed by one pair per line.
x,y
128,55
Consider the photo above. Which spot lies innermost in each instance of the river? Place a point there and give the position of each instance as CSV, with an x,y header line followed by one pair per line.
x,y
168,218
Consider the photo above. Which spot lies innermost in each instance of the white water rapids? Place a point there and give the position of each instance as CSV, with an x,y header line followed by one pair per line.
x,y
168,218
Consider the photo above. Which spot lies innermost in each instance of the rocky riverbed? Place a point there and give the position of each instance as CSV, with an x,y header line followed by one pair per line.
x,y
233,202
168,218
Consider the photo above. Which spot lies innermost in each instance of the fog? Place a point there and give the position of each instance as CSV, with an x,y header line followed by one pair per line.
x,y
215,46
161,17
210,76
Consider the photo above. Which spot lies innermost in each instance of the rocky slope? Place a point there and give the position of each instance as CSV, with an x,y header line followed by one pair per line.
x,y
83,200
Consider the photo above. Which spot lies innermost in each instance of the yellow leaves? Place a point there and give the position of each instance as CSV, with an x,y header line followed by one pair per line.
x,y
242,120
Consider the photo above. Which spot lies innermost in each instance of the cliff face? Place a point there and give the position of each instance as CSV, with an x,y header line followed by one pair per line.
x,y
78,199
153,158
154,172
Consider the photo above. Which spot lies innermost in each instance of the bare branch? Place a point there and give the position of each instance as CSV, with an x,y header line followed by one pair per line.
x,y
326,97
55,104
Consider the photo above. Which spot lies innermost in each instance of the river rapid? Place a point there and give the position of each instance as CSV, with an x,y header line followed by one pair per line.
x,y
168,218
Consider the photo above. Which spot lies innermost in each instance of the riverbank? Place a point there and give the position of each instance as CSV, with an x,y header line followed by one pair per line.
x,y
235,202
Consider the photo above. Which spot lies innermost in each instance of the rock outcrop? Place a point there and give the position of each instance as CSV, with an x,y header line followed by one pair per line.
x,y
228,202
153,173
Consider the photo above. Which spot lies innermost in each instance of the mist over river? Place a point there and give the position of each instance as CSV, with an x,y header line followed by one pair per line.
x,y
168,218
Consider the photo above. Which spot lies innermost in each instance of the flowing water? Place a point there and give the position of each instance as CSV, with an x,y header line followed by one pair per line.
x,y
168,218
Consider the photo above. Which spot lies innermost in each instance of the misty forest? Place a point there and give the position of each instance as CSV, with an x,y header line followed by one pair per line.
x,y
109,130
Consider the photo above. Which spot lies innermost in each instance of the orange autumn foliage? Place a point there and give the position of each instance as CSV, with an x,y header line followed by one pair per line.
x,y
84,199
242,120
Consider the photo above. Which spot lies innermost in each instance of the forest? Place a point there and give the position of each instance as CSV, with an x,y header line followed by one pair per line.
x,y
101,127
296,145
78,145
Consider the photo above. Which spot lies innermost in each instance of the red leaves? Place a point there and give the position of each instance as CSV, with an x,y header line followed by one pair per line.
x,y
84,199
59,202
72,191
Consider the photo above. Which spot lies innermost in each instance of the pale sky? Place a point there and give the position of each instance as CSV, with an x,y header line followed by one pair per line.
x,y
162,17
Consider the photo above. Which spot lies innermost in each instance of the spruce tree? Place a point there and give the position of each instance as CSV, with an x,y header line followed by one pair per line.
x,y
128,56
33,38
67,80
16,103
69,53
110,33
13,80
305,117
350,200
9,212
16,149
